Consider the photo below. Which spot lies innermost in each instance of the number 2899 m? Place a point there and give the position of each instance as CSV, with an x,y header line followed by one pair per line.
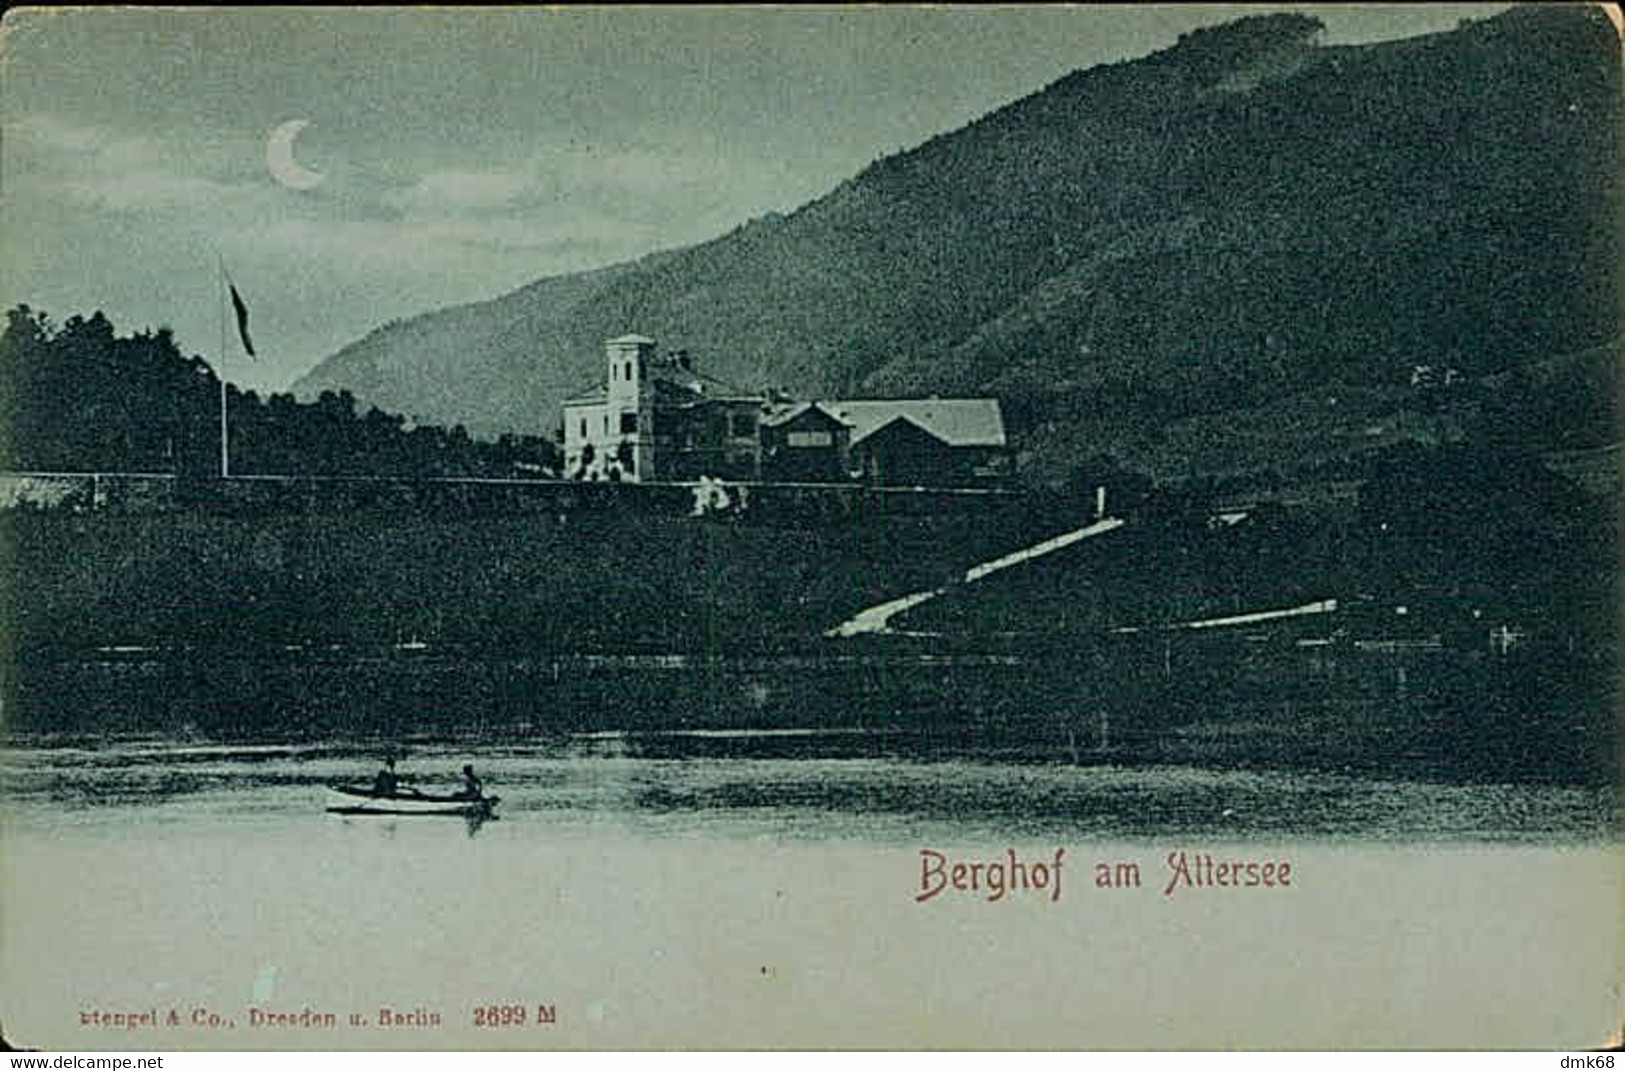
x,y
500,1015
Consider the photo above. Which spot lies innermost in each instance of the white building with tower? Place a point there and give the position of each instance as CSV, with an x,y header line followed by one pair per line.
x,y
655,417
604,430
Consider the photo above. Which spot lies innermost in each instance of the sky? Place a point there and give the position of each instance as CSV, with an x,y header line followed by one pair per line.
x,y
463,153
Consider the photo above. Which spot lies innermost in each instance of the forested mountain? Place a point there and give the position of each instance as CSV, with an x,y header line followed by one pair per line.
x,y
1233,253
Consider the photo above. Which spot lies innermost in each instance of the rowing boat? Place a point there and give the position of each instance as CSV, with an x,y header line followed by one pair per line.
x,y
353,799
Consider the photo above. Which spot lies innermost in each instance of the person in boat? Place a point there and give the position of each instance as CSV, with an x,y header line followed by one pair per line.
x,y
472,789
385,783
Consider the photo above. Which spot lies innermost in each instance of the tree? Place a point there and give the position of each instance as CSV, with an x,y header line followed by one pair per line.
x,y
81,398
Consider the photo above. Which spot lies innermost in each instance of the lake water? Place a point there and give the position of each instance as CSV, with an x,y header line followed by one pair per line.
x,y
738,889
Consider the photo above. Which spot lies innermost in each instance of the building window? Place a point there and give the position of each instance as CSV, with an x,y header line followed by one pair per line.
x,y
628,374
612,373
629,423
606,423
583,427
807,439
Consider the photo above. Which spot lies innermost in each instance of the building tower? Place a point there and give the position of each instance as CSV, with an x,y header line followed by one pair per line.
x,y
628,431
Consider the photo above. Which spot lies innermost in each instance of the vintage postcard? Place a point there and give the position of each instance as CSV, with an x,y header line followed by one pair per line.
x,y
835,527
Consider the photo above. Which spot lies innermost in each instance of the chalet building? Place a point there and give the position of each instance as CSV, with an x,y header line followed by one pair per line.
x,y
958,441
805,443
656,418
907,441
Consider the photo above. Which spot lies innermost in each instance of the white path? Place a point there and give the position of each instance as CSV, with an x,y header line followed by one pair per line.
x,y
878,618
1323,606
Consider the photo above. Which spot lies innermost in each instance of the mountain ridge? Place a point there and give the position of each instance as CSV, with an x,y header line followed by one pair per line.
x,y
1243,216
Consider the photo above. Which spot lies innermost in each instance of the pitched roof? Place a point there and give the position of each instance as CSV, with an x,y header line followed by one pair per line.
x,y
668,392
956,421
755,400
783,414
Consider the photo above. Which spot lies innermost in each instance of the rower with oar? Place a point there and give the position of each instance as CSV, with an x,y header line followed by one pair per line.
x,y
385,783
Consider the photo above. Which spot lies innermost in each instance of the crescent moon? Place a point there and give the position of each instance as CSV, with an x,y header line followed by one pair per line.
x,y
280,160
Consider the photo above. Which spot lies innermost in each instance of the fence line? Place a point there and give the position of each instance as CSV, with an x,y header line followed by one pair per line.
x,y
162,492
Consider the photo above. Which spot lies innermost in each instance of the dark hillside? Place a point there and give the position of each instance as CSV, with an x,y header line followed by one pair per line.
x,y
508,579
1222,225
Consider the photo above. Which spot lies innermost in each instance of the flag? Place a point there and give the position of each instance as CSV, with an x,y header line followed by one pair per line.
x,y
242,319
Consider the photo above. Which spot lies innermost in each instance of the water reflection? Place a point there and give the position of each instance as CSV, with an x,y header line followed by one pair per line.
x,y
882,786
1454,716
388,824
674,832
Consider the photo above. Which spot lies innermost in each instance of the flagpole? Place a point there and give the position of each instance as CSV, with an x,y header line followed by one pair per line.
x,y
225,450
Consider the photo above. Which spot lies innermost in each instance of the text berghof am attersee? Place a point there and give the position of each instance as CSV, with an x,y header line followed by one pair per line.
x,y
1009,874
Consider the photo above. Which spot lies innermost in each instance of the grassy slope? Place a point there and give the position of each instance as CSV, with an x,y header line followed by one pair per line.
x,y
604,580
